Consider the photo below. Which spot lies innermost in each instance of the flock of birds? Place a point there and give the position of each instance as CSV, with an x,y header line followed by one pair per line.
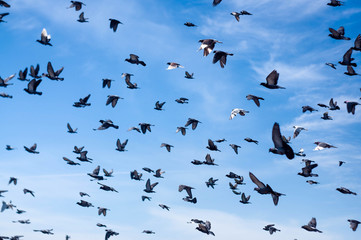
x,y
281,143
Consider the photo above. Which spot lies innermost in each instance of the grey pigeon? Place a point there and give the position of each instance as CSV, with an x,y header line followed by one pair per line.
x,y
311,226
70,162
251,140
265,189
31,149
345,191
114,24
216,2
331,65
52,75
121,146
211,146
280,146
326,116
113,99
83,157
22,74
158,173
272,80
149,187
145,126
164,206
351,106
76,4
335,3
34,71
351,71
159,105
182,130
189,75
235,147
192,121
134,59
221,57
333,105
338,34
244,199
106,124
82,19
205,228
70,129
254,98
270,228
107,188
308,108
83,102
189,24
211,182
32,86
347,59
353,224
106,82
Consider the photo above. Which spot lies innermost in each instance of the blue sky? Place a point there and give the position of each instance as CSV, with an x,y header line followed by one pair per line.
x,y
291,37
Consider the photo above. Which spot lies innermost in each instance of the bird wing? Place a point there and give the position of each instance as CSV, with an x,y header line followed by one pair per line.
x,y
312,223
216,2
211,144
86,98
350,70
189,191
334,32
147,185
347,56
217,56
256,181
109,100
276,136
153,185
50,70
272,78
358,41
114,101
57,73
33,147
296,132
208,225
256,101
44,35
124,143
341,31
96,170
9,78
69,127
133,57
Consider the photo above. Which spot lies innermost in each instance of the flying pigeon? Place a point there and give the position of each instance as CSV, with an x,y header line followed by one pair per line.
x,y
255,99
281,147
272,80
221,57
76,4
207,45
82,19
45,38
114,24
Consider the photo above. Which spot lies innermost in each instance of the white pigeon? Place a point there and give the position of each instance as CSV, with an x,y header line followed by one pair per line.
x,y
297,130
237,111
